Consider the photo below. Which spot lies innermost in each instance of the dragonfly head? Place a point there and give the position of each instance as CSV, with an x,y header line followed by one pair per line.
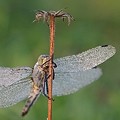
x,y
43,59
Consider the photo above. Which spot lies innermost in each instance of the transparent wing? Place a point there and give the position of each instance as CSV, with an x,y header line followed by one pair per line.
x,y
69,82
15,85
8,76
86,60
15,93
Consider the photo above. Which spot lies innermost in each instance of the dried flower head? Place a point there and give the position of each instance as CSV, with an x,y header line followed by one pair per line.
x,y
45,15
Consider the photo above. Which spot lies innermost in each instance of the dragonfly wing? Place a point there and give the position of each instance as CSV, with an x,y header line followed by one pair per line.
x,y
86,60
15,93
69,82
8,76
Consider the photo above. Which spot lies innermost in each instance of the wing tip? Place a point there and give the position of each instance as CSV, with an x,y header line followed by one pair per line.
x,y
104,45
110,47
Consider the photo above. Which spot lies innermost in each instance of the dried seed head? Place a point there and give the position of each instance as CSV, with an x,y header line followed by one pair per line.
x,y
45,15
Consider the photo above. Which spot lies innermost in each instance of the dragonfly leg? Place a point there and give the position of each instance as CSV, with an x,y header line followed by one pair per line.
x,y
54,65
46,87
46,95
50,75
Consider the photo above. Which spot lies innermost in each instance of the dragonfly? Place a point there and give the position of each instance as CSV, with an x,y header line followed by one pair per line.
x,y
71,74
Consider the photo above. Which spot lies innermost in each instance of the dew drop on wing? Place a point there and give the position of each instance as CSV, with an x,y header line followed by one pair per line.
x,y
69,82
16,85
85,60
76,71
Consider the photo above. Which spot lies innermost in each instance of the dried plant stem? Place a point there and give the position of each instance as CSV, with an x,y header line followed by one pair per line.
x,y
52,36
49,17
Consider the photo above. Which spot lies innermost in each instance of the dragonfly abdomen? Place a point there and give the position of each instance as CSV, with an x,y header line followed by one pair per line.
x,y
31,99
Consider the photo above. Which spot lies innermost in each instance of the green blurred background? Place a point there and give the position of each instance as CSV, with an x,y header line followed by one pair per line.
x,y
97,22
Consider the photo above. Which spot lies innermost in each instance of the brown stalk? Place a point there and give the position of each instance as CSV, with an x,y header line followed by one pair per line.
x,y
49,17
52,36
